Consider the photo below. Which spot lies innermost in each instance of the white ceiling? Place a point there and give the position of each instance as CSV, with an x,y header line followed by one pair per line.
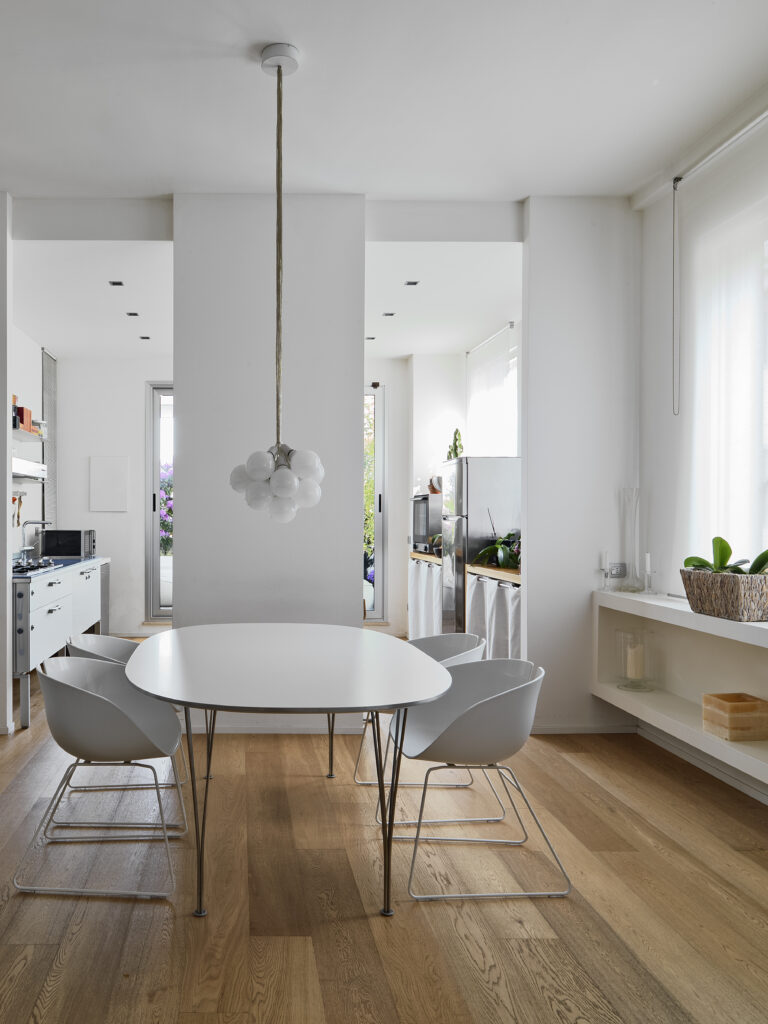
x,y
435,99
466,292
63,300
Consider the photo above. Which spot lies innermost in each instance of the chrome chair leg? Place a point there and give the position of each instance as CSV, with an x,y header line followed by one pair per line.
x,y
485,820
518,894
180,828
407,785
71,891
331,716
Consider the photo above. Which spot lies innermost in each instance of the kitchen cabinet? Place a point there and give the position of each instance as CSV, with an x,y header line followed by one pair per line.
x,y
425,600
49,607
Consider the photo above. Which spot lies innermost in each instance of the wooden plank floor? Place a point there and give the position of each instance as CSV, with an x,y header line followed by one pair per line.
x,y
666,923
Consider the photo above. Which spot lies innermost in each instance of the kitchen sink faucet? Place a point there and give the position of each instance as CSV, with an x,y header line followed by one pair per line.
x,y
24,525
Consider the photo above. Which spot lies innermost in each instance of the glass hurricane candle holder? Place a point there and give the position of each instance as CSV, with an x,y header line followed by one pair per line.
x,y
634,653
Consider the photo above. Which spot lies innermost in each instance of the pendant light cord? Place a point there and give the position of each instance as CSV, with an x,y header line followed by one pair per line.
x,y
279,261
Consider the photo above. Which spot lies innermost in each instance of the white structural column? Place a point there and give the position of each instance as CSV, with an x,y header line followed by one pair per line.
x,y
579,432
230,564
6,316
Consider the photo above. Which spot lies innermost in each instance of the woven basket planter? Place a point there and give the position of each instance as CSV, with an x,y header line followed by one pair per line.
x,y
727,595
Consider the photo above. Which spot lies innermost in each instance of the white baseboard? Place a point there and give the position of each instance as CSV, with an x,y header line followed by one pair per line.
x,y
733,777
228,722
548,728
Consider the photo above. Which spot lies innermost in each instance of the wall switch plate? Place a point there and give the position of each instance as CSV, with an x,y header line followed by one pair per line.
x,y
618,570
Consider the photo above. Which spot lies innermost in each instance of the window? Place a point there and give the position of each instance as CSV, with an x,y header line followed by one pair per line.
x,y
724,348
373,503
159,540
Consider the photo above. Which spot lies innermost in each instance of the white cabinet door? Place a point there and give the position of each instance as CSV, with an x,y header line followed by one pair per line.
x,y
49,629
51,586
86,597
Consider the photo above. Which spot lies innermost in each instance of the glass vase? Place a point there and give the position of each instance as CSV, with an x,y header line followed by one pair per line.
x,y
630,541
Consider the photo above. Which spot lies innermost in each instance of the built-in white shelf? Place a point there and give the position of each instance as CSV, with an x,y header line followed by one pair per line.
x,y
677,612
681,718
689,666
19,436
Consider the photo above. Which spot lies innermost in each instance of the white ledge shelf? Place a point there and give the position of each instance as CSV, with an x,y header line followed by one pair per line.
x,y
677,612
682,718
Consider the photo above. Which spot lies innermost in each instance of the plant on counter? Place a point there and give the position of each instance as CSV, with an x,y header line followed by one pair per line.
x,y
457,447
721,553
166,508
437,543
504,552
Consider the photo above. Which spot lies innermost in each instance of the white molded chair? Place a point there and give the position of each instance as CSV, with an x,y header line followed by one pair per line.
x,y
483,719
102,647
102,721
449,649
116,650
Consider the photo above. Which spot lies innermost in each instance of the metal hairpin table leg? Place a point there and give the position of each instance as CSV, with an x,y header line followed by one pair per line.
x,y
331,727
388,807
210,727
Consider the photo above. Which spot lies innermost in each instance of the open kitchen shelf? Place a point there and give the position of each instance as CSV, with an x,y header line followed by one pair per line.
x,y
19,436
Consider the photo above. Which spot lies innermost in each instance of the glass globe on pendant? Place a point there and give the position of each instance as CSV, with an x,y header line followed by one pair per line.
x,y
307,465
239,479
283,483
258,495
282,510
308,493
260,465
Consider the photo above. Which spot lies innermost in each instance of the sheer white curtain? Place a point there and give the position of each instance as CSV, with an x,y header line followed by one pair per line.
x,y
723,274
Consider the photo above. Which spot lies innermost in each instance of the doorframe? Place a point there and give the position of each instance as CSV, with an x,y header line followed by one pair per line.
x,y
153,612
378,391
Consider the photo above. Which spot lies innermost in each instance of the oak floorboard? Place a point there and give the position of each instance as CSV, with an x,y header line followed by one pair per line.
x,y
23,970
212,1018
354,984
284,987
216,958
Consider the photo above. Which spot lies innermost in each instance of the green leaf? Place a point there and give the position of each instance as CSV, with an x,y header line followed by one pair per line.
x,y
503,557
760,564
732,566
694,562
484,556
736,569
721,552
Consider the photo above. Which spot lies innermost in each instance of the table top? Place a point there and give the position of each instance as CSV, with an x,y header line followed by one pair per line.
x,y
285,667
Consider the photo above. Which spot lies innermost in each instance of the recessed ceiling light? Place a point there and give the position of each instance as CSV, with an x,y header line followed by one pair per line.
x,y
387,314
143,337
131,314
370,337
116,284
411,284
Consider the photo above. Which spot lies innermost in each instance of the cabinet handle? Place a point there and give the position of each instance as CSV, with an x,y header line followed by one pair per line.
x,y
86,574
56,609
54,583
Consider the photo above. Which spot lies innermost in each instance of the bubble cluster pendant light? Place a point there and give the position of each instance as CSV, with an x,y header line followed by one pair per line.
x,y
282,479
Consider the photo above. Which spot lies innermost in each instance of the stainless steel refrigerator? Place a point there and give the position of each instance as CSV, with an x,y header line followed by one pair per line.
x,y
481,501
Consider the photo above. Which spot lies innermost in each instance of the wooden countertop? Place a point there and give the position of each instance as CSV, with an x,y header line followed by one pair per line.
x,y
423,557
493,572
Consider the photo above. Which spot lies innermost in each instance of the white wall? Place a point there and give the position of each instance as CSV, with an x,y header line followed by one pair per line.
x,y
579,439
233,564
394,376
102,411
439,386
25,380
493,396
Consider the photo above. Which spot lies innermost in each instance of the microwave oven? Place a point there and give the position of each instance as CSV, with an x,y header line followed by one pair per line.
x,y
68,543
426,520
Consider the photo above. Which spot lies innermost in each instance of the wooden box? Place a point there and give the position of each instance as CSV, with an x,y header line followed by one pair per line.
x,y
735,716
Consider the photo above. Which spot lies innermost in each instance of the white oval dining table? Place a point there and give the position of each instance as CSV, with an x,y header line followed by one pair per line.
x,y
288,668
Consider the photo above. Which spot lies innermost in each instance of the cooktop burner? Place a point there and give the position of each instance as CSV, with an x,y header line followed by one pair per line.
x,y
35,565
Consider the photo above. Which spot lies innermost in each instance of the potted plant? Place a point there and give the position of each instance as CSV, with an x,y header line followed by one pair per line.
x,y
504,552
723,588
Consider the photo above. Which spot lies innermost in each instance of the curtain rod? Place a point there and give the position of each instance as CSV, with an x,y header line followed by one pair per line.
x,y
507,326
714,153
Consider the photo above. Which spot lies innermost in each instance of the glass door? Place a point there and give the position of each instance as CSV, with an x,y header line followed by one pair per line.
x,y
160,515
373,503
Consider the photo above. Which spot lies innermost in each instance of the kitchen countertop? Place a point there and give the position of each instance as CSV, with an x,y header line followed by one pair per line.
x,y
422,556
61,563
